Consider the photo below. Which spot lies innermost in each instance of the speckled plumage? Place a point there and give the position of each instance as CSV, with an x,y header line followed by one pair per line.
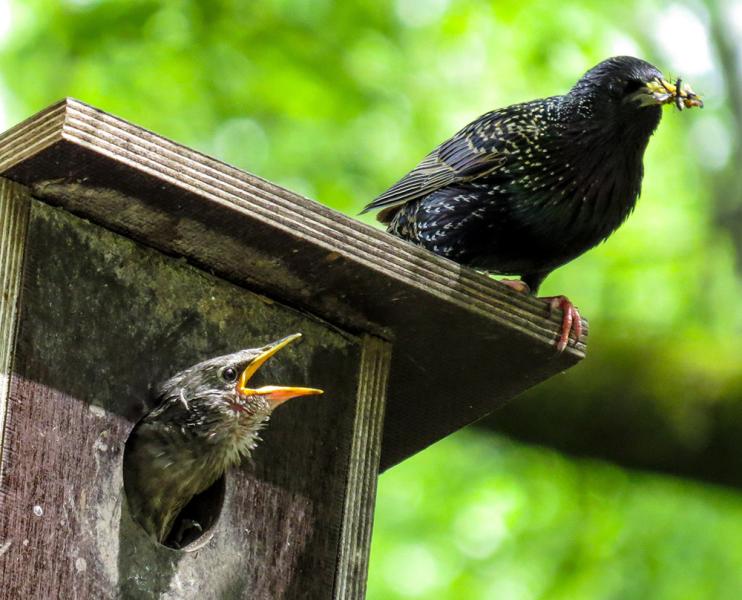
x,y
527,188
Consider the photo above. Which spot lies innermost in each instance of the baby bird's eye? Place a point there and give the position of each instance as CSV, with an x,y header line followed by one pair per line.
x,y
229,374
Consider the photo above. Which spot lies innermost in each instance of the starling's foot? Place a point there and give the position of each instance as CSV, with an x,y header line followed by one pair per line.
x,y
517,285
571,320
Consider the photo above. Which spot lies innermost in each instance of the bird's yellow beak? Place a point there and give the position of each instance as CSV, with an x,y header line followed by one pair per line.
x,y
661,92
274,394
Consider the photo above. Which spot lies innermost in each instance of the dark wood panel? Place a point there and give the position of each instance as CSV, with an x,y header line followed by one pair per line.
x,y
101,319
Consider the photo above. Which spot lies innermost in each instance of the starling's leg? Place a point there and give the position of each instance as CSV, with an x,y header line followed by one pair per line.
x,y
571,320
571,317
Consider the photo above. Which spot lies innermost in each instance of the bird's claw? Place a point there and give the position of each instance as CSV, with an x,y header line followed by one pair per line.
x,y
571,320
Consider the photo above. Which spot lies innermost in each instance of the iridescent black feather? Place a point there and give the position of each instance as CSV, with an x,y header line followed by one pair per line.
x,y
527,188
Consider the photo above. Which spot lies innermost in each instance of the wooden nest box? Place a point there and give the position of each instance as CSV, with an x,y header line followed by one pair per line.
x,y
124,258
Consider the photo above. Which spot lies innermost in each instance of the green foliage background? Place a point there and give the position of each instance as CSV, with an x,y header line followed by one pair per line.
x,y
336,100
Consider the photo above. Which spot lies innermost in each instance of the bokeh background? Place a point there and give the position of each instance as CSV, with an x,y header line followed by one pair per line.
x,y
617,480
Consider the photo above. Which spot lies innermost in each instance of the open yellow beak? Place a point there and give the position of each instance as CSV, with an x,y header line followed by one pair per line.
x,y
659,91
274,394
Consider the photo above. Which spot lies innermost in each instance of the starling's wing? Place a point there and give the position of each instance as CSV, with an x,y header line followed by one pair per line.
x,y
471,153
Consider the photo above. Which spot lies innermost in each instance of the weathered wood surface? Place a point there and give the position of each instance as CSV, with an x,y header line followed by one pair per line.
x,y
14,208
101,319
463,344
360,499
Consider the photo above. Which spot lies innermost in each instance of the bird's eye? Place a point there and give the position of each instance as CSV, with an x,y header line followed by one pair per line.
x,y
633,86
229,374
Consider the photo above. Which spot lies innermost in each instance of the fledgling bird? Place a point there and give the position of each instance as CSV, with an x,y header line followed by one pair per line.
x,y
207,420
525,189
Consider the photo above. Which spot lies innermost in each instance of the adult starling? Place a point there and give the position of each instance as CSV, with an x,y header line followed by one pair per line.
x,y
525,189
207,419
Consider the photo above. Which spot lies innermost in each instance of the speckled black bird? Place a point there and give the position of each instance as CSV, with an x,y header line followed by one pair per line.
x,y
208,419
525,189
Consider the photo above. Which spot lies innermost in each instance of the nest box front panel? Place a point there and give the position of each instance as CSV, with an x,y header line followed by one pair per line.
x,y
101,320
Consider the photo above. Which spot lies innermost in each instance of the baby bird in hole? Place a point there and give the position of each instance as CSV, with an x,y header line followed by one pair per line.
x,y
207,420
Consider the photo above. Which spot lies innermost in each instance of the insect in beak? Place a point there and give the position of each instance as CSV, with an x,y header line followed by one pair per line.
x,y
679,94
